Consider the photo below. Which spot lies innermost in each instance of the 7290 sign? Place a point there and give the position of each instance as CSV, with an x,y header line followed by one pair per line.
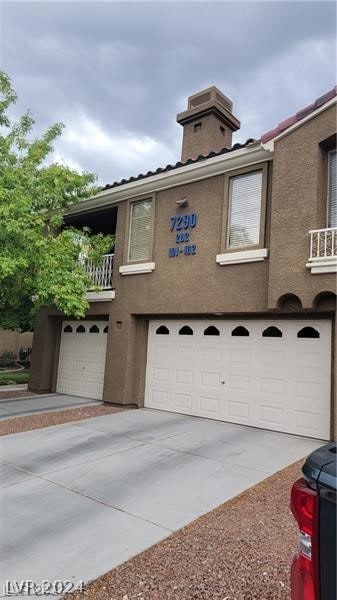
x,y
180,224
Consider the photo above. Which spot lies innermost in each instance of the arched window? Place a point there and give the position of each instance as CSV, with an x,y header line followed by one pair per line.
x,y
185,330
308,332
80,329
162,330
240,331
94,329
106,329
272,331
211,330
68,329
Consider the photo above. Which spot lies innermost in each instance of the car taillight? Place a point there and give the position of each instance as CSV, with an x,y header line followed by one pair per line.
x,y
305,567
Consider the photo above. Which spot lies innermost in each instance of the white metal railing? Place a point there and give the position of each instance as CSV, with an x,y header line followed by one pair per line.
x,y
323,244
101,274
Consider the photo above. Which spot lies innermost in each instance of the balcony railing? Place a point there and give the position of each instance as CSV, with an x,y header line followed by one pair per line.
x,y
101,274
323,244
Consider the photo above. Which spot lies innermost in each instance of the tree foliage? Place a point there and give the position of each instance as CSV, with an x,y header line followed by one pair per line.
x,y
39,254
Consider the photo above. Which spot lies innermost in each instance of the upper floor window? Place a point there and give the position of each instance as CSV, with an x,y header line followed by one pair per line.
x,y
140,230
332,189
245,199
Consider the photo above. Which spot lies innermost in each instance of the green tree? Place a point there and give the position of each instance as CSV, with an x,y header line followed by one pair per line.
x,y
39,263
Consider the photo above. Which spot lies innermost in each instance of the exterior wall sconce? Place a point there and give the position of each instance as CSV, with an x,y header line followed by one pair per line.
x,y
182,202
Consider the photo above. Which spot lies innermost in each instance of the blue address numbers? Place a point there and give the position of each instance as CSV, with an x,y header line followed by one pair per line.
x,y
187,250
180,224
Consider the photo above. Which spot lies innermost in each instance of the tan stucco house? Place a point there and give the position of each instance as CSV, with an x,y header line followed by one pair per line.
x,y
220,297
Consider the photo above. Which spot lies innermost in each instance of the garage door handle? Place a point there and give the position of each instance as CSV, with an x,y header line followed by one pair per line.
x,y
223,382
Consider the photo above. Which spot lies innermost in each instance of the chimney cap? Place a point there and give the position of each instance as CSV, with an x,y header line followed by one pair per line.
x,y
209,100
210,93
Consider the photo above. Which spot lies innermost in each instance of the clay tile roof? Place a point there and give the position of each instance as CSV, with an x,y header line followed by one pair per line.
x,y
177,165
304,112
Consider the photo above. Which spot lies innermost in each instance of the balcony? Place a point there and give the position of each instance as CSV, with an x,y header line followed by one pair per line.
x,y
323,251
101,276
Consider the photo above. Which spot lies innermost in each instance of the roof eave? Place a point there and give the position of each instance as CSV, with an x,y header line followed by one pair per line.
x,y
249,155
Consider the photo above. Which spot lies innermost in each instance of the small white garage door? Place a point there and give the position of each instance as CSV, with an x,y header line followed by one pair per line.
x,y
82,358
269,374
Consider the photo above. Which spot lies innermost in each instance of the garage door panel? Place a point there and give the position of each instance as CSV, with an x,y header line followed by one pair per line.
x,y
239,383
238,409
82,359
272,386
210,354
185,353
160,353
184,376
240,358
182,402
160,374
308,421
209,378
159,399
209,406
280,383
272,415
272,358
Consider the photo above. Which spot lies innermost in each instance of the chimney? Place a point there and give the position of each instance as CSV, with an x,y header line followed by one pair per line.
x,y
208,123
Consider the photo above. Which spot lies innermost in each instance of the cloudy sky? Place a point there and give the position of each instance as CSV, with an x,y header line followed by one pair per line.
x,y
117,73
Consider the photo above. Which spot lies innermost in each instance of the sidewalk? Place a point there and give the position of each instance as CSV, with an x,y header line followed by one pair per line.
x,y
14,388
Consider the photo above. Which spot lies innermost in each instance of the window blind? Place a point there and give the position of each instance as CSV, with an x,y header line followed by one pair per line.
x,y
140,230
332,189
245,209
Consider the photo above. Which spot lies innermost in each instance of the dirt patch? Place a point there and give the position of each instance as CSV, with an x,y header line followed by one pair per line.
x,y
240,551
38,421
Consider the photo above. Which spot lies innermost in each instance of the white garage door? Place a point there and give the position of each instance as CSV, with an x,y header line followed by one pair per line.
x,y
269,374
82,358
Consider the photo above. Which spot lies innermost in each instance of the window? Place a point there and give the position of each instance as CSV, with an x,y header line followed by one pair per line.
x,y
186,330
332,189
162,330
140,230
80,329
308,332
106,329
211,330
94,329
272,332
68,329
245,195
240,331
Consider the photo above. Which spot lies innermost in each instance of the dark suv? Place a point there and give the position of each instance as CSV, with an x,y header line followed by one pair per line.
x,y
313,504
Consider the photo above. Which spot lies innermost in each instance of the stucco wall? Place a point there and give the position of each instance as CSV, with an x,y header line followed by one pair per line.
x,y
189,284
299,204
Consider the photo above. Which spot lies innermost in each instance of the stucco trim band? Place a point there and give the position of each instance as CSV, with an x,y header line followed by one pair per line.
x,y
137,269
233,258
325,265
102,296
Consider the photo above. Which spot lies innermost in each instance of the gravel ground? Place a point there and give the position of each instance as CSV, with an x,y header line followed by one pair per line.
x,y
56,418
14,393
240,551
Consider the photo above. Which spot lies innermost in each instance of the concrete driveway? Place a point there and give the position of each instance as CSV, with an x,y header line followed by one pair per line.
x,y
80,498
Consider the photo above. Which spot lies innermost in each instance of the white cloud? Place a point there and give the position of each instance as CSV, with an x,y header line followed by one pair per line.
x,y
86,145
